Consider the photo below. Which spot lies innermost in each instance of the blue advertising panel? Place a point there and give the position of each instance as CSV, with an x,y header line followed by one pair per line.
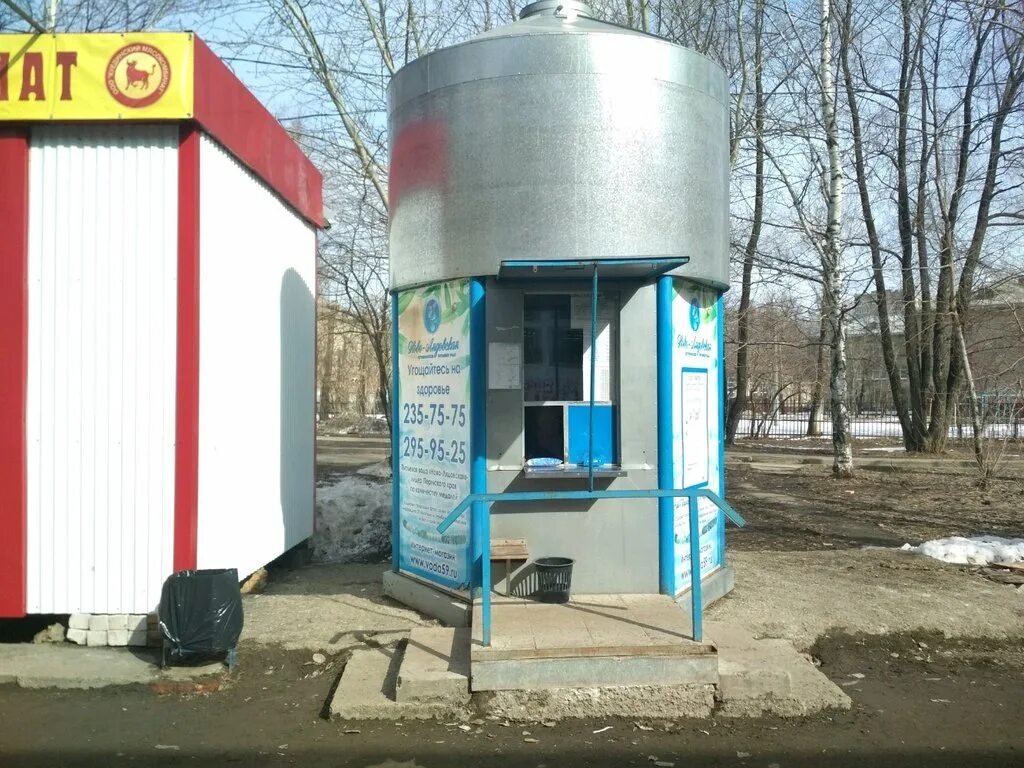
x,y
697,423
433,423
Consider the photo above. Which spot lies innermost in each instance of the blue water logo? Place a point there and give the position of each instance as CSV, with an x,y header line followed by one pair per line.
x,y
432,316
694,314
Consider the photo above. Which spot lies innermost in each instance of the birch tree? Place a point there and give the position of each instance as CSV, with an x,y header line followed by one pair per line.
x,y
832,257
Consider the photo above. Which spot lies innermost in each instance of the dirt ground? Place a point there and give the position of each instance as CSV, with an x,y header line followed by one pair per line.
x,y
931,654
806,508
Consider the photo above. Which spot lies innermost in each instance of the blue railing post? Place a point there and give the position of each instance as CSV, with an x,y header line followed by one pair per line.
x,y
666,448
396,526
484,528
697,607
593,378
486,608
478,525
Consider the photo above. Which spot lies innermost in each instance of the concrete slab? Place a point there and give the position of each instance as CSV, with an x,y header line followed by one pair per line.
x,y
760,677
634,702
593,672
713,588
426,599
595,641
435,666
366,691
69,666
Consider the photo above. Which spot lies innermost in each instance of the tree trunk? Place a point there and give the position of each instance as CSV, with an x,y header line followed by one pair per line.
x,y
972,400
832,259
327,368
739,403
814,418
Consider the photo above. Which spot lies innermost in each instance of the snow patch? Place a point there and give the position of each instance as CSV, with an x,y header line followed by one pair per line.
x,y
381,469
353,520
979,550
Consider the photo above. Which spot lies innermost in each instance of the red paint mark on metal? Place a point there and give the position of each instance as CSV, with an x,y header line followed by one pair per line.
x,y
419,159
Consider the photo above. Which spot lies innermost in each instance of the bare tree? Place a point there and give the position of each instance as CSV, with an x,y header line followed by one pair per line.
x,y
739,401
954,90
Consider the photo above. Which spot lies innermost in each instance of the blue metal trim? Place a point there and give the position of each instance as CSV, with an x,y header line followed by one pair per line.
x,y
396,509
658,265
479,559
675,261
666,449
696,601
593,378
722,397
635,493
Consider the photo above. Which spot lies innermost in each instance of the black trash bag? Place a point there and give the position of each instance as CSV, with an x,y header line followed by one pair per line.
x,y
200,614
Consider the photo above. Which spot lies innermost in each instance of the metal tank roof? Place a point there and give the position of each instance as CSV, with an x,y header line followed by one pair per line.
x,y
558,136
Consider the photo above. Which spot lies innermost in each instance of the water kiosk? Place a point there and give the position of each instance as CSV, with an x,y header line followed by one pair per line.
x,y
559,249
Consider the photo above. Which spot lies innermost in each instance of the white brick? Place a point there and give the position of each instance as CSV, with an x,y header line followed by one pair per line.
x,y
78,621
99,622
138,637
77,636
117,637
117,621
137,621
96,637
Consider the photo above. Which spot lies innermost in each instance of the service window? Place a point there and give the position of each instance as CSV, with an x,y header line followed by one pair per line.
x,y
556,378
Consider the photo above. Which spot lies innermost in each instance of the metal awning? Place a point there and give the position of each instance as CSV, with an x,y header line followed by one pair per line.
x,y
583,269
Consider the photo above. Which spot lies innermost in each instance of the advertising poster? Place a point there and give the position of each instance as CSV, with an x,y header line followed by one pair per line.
x,y
433,430
697,431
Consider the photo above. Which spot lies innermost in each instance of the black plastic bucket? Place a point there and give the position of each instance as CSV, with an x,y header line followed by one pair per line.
x,y
554,579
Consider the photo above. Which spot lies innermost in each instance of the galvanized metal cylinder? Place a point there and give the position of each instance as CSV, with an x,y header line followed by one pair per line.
x,y
558,137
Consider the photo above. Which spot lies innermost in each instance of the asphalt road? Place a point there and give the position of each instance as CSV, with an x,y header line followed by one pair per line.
x,y
350,452
918,701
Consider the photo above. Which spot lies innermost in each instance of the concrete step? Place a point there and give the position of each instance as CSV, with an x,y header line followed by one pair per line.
x,y
368,687
435,666
759,677
594,641
633,668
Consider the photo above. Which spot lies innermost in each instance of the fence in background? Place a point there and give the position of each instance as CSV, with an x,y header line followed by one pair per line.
x,y
1002,416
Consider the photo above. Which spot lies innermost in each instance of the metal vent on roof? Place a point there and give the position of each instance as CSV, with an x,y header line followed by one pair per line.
x,y
563,8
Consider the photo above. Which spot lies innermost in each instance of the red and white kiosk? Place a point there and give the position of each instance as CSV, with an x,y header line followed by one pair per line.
x,y
158,236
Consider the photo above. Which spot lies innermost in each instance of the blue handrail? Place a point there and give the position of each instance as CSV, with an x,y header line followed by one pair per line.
x,y
693,494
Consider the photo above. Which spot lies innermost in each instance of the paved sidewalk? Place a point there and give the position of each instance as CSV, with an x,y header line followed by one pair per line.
x,y
32,665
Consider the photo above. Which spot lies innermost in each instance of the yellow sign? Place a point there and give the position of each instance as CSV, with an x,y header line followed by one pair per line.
x,y
137,76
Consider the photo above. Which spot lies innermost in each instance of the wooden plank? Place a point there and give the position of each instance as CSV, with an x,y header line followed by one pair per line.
x,y
1010,566
684,649
509,549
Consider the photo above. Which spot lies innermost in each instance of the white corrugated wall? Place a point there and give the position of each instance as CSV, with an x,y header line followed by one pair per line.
x,y
256,349
101,366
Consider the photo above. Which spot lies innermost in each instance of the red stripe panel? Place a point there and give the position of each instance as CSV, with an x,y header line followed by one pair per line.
x,y
232,115
186,441
13,366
